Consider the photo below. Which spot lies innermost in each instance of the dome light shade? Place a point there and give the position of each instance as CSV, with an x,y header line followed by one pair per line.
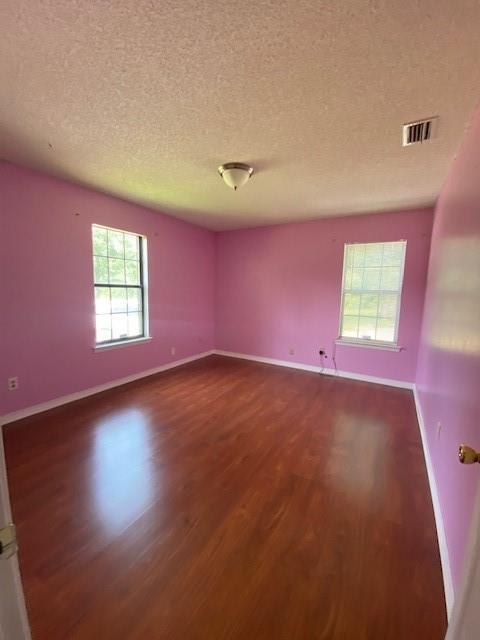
x,y
235,174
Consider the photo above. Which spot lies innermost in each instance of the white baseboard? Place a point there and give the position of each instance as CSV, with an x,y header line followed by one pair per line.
x,y
78,395
403,384
442,540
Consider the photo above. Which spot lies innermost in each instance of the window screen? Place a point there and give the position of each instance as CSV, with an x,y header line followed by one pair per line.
x,y
371,293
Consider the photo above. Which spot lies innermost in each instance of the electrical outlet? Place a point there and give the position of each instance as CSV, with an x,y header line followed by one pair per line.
x,y
13,383
173,351
322,352
439,430
291,351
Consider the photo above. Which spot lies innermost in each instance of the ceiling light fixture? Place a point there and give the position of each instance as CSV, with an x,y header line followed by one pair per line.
x,y
235,174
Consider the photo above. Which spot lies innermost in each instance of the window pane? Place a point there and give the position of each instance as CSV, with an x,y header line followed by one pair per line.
x,y
391,278
134,300
359,255
135,324
373,255
357,278
99,241
131,247
366,328
371,279
132,272
351,304
119,299
347,283
115,244
369,304
116,270
103,328
349,251
371,271
386,329
100,267
119,326
388,305
102,300
393,253
350,327
118,279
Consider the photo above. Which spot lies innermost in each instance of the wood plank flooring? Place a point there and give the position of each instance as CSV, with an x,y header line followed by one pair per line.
x,y
230,500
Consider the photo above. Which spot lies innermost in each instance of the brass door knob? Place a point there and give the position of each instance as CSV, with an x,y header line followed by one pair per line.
x,y
467,455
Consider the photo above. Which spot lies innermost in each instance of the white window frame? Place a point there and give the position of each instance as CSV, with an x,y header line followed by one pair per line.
x,y
121,342
366,342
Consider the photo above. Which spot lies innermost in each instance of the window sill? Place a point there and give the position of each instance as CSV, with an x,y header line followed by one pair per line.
x,y
123,343
368,344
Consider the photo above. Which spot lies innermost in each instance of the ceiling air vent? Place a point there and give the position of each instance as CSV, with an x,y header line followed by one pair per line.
x,y
419,131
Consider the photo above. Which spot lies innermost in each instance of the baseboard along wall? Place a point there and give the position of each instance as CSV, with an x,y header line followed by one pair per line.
x,y
403,384
444,557
442,539
78,395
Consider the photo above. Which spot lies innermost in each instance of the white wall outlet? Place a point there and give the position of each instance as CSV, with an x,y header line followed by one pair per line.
x,y
12,383
439,430
291,351
173,351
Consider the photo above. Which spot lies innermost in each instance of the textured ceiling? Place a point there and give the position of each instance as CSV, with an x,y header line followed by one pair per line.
x,y
144,99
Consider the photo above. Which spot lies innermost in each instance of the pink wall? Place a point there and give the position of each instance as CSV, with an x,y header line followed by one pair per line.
x,y
279,287
448,376
276,288
46,275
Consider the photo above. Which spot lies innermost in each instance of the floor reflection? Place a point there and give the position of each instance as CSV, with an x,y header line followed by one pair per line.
x,y
358,471
123,472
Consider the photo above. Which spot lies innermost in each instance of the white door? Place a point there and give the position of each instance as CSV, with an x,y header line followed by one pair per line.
x,y
464,624
13,615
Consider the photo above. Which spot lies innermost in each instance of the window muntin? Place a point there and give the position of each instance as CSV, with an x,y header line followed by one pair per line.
x,y
119,282
371,291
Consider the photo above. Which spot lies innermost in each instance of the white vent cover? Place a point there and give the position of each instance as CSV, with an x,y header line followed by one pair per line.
x,y
420,131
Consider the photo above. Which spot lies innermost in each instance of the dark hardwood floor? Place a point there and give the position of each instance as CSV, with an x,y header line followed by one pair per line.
x,y
227,499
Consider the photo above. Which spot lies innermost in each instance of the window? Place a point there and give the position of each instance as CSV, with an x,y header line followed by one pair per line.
x,y
119,264
371,292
